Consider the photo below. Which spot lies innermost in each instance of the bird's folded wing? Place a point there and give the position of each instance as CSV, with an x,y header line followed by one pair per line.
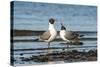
x,y
70,35
45,36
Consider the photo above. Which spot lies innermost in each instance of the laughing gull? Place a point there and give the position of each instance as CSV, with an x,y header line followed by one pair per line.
x,y
69,36
51,34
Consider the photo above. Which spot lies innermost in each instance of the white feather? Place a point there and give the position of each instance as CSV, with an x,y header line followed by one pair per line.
x,y
53,33
62,35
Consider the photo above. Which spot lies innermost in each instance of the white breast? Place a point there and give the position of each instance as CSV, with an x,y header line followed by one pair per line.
x,y
53,32
62,33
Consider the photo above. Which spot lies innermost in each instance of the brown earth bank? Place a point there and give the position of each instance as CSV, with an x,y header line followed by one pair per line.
x,y
67,56
37,32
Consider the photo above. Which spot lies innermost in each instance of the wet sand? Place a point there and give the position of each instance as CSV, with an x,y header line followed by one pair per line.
x,y
67,56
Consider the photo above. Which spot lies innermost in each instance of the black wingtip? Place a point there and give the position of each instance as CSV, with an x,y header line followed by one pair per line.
x,y
36,39
81,35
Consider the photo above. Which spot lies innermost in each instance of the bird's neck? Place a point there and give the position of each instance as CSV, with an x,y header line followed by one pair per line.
x,y
51,27
63,30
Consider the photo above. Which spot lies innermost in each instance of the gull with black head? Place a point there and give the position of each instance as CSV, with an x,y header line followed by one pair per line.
x,y
69,36
50,34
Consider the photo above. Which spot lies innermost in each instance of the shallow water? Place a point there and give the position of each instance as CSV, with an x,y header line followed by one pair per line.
x,y
88,44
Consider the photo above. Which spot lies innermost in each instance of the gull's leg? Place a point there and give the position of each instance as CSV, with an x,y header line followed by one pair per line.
x,y
48,51
48,44
67,44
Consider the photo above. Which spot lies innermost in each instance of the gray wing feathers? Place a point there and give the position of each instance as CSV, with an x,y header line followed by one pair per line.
x,y
71,35
45,36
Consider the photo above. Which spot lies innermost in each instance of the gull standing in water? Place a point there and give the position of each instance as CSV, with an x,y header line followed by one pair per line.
x,y
69,36
51,34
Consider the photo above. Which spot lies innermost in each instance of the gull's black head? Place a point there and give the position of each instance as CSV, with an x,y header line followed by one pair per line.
x,y
63,28
51,21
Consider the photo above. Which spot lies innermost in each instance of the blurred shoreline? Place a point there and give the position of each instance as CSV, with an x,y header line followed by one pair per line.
x,y
16,32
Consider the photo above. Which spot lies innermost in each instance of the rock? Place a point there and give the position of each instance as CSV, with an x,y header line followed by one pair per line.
x,y
92,53
78,56
83,58
74,51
